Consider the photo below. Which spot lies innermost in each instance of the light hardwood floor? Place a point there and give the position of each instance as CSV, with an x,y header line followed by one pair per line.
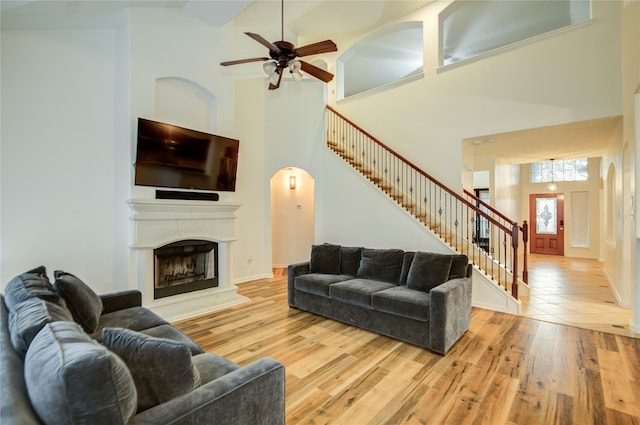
x,y
574,291
505,370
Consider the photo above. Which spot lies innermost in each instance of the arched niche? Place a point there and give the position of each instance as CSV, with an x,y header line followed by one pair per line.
x,y
185,103
389,55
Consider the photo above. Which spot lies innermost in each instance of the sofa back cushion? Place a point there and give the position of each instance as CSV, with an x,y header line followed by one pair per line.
x,y
459,266
72,379
31,284
350,260
407,259
28,317
381,264
84,304
428,270
162,369
325,259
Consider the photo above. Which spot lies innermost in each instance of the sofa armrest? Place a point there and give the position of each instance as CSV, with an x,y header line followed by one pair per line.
x,y
120,300
292,271
449,313
253,394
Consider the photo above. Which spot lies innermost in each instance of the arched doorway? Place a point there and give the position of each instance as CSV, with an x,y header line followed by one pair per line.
x,y
292,216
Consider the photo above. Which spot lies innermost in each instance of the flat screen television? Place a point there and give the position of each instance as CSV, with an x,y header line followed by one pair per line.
x,y
176,157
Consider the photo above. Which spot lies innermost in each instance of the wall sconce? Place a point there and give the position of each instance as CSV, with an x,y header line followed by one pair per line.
x,y
292,182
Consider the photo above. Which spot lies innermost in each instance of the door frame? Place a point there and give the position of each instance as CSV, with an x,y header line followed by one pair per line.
x,y
533,235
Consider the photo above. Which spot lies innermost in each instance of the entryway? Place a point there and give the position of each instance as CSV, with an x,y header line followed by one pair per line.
x,y
292,217
546,215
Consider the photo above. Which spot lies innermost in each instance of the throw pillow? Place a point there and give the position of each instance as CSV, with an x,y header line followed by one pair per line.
x,y
428,270
350,260
406,265
381,264
30,284
84,304
325,259
459,266
72,379
162,369
28,317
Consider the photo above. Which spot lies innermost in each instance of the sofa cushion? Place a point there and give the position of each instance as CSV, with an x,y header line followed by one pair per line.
x,y
169,332
406,265
84,304
459,264
428,270
381,264
350,260
30,284
325,258
212,366
161,369
403,301
357,291
134,318
317,283
28,317
72,379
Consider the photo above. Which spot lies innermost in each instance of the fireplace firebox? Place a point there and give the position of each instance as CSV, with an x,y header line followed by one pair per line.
x,y
185,266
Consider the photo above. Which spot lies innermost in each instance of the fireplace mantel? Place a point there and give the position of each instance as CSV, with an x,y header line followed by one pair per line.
x,y
157,222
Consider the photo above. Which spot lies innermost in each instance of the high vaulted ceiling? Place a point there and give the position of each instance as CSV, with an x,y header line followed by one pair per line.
x,y
314,20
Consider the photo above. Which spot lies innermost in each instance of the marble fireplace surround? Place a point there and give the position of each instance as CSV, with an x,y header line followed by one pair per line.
x,y
157,222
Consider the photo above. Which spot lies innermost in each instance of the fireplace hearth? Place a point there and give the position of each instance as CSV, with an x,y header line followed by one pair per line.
x,y
185,266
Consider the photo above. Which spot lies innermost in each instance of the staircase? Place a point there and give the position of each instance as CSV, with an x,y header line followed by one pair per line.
x,y
462,221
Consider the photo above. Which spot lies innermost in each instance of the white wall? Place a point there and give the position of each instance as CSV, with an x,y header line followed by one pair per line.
x,y
568,77
59,94
292,215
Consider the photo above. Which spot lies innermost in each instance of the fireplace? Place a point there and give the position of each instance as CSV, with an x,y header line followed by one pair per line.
x,y
185,266
207,226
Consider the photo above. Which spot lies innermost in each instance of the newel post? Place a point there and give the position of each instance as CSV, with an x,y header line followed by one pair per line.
x,y
514,244
525,239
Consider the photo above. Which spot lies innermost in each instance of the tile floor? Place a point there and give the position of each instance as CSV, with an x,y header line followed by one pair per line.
x,y
573,291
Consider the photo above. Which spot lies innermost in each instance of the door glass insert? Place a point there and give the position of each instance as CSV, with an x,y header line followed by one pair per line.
x,y
546,216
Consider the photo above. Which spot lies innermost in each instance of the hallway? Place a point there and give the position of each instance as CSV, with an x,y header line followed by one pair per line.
x,y
573,291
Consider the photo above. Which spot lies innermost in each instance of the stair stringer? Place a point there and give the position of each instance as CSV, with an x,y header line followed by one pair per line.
x,y
486,293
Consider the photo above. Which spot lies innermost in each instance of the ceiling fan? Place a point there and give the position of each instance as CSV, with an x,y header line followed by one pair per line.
x,y
283,55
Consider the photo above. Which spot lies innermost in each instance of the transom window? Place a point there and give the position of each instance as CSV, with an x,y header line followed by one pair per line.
x,y
560,170
470,28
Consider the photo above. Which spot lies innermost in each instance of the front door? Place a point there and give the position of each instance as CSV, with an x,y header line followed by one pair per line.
x,y
546,215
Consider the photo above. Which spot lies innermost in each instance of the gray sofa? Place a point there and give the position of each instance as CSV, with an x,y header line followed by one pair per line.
x,y
69,356
423,298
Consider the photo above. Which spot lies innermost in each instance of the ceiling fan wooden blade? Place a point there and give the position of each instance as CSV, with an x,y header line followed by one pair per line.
x,y
271,85
317,48
319,73
266,43
237,62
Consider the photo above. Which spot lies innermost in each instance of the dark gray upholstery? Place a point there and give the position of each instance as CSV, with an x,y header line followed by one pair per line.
x,y
433,319
32,283
161,368
350,260
28,317
357,291
169,332
84,304
229,394
325,258
428,270
381,264
72,379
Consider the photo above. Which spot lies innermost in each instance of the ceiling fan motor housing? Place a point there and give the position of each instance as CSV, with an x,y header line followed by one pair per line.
x,y
286,53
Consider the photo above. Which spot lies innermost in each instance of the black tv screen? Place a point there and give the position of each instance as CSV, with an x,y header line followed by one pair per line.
x,y
176,157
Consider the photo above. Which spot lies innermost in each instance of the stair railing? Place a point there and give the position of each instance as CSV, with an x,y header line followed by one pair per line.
x,y
492,246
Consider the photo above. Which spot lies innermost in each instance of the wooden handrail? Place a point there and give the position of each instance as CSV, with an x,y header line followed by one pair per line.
x,y
419,170
489,207
502,227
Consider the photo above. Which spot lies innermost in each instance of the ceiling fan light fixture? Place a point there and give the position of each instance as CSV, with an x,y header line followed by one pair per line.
x,y
273,77
270,67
